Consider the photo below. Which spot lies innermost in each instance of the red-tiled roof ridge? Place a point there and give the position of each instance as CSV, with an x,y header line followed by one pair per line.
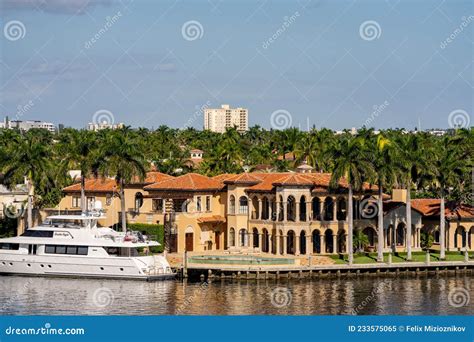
x,y
243,178
93,185
431,207
187,182
294,179
152,177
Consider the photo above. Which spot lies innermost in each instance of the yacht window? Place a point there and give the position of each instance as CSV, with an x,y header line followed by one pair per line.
x,y
60,250
71,250
49,249
10,246
82,250
38,233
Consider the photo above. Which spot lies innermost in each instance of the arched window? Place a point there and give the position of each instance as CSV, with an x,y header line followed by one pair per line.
x,y
265,208
291,209
341,209
243,205
316,208
328,209
138,201
232,237
302,208
255,208
243,237
401,234
232,205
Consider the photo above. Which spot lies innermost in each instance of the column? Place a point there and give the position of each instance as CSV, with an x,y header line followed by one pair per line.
x,y
285,205
297,244
297,211
270,210
284,244
346,236
334,244
260,239
259,209
277,244
335,209
322,238
308,211
249,239
309,244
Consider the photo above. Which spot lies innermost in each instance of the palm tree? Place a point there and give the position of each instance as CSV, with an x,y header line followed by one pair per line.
x,y
381,152
351,164
413,151
25,158
79,150
449,165
122,157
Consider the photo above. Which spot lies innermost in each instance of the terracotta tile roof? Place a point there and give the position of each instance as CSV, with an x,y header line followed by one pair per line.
x,y
267,180
222,177
94,185
431,207
243,178
212,219
187,182
294,179
152,177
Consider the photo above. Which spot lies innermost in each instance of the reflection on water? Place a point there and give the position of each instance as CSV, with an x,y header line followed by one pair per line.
x,y
367,296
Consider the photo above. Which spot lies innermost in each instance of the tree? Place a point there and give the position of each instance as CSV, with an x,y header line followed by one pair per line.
x,y
121,157
381,155
361,241
26,157
351,164
79,150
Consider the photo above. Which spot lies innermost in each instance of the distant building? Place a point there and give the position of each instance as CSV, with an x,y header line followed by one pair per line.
x,y
27,125
92,126
219,119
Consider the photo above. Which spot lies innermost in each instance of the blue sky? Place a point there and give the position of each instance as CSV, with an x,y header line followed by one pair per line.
x,y
321,67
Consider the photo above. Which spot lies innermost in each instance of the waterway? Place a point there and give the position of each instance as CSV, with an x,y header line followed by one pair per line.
x,y
404,295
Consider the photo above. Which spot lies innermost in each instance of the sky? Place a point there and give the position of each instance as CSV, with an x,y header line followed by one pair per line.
x,y
335,64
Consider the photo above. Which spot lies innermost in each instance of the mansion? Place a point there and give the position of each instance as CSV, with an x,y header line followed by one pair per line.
x,y
287,213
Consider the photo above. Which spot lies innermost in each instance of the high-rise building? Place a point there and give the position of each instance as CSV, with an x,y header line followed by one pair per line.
x,y
219,119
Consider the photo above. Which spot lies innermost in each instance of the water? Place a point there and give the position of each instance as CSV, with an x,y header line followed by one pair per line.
x,y
423,295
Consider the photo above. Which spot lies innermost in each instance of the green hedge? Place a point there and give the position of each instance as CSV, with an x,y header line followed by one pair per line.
x,y
153,231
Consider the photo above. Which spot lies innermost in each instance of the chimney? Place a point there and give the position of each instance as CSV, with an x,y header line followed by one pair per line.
x,y
399,195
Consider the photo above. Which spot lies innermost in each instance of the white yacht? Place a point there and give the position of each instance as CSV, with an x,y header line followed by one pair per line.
x,y
74,246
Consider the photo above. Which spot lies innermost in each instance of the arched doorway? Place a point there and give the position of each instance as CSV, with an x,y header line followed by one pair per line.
x,y
370,233
265,241
316,241
328,239
232,237
265,208
460,238
400,234
282,239
243,237
303,243
255,237
341,242
232,205
291,209
189,239
341,209
290,242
